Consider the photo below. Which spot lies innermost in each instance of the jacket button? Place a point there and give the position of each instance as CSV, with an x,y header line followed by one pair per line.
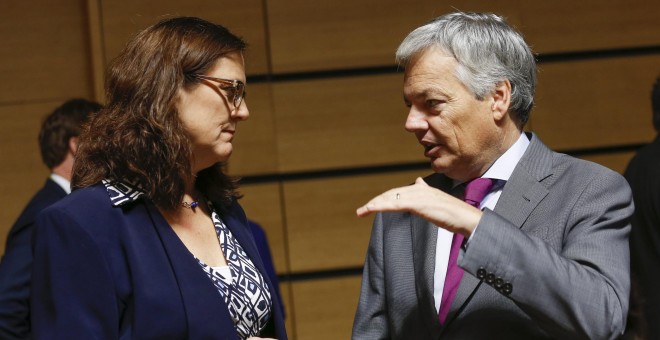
x,y
481,273
490,278
506,289
498,283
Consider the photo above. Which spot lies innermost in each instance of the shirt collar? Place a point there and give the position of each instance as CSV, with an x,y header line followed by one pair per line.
x,y
122,193
503,167
505,164
62,182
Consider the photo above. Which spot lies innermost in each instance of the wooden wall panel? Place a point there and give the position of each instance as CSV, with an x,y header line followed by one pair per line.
x,y
325,309
262,204
569,26
597,102
566,25
313,35
289,312
255,146
124,18
615,161
22,171
44,51
346,34
343,122
322,228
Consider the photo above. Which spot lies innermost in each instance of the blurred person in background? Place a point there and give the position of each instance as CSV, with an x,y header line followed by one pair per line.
x,y
58,142
643,174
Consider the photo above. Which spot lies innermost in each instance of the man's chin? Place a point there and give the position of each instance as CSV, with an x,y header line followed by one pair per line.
x,y
438,167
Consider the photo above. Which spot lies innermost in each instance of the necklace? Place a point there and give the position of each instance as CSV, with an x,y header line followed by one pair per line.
x,y
192,205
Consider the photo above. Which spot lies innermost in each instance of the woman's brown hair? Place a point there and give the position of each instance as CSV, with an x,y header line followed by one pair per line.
x,y
138,137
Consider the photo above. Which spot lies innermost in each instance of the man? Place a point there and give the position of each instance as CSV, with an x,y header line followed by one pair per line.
x,y
58,141
642,174
546,251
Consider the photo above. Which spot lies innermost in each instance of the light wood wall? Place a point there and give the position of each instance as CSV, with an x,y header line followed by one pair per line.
x,y
326,127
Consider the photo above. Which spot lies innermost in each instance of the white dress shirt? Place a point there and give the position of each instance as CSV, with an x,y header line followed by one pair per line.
x,y
501,170
62,182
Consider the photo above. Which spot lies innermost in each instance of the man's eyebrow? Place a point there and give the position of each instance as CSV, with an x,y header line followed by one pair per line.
x,y
427,92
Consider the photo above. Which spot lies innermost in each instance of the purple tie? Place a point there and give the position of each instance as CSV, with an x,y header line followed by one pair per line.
x,y
475,191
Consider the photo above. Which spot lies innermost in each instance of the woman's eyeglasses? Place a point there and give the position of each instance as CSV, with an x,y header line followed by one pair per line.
x,y
235,88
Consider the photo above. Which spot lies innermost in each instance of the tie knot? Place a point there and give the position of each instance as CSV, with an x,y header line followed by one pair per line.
x,y
476,190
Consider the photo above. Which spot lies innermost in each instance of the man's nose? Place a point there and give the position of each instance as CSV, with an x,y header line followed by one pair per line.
x,y
416,120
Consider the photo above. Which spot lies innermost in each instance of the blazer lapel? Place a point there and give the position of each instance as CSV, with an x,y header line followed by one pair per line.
x,y
424,235
206,312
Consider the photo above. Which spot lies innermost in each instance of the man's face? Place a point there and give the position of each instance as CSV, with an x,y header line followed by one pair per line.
x,y
458,132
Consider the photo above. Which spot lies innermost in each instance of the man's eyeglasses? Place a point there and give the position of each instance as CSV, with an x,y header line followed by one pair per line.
x,y
235,88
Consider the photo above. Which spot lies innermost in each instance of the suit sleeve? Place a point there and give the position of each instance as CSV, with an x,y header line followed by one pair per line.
x,y
578,291
371,316
72,291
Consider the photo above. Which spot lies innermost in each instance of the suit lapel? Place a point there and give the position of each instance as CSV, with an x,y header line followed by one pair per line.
x,y
424,236
424,239
524,191
520,196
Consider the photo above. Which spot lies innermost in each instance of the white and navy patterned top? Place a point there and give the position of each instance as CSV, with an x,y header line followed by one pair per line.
x,y
246,292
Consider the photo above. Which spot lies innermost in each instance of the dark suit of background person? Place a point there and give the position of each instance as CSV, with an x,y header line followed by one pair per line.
x,y
57,142
549,261
643,174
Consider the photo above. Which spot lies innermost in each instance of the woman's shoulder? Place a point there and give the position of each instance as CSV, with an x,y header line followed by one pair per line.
x,y
92,196
82,204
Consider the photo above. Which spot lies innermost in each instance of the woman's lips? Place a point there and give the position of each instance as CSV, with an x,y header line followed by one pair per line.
x,y
231,134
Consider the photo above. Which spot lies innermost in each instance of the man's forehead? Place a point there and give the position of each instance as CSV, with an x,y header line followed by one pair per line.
x,y
428,61
430,69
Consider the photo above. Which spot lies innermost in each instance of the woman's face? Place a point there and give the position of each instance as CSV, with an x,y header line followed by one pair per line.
x,y
208,113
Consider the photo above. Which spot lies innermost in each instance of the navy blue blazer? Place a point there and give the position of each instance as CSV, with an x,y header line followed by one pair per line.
x,y
15,267
122,273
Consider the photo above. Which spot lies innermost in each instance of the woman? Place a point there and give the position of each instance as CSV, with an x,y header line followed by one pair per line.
x,y
152,244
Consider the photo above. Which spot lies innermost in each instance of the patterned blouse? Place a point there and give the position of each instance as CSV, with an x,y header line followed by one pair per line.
x,y
245,293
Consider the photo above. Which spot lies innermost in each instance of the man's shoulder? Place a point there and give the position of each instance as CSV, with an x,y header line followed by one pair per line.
x,y
647,157
49,194
582,167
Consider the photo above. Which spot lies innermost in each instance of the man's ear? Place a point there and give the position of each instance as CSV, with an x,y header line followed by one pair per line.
x,y
501,100
73,145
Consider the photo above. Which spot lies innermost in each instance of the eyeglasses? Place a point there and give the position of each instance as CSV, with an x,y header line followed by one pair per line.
x,y
235,88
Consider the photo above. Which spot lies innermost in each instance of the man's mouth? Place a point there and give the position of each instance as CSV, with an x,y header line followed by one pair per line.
x,y
430,149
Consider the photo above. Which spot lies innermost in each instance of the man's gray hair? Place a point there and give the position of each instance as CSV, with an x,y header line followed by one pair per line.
x,y
488,51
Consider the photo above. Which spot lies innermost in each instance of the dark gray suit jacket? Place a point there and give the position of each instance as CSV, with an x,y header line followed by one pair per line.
x,y
551,261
